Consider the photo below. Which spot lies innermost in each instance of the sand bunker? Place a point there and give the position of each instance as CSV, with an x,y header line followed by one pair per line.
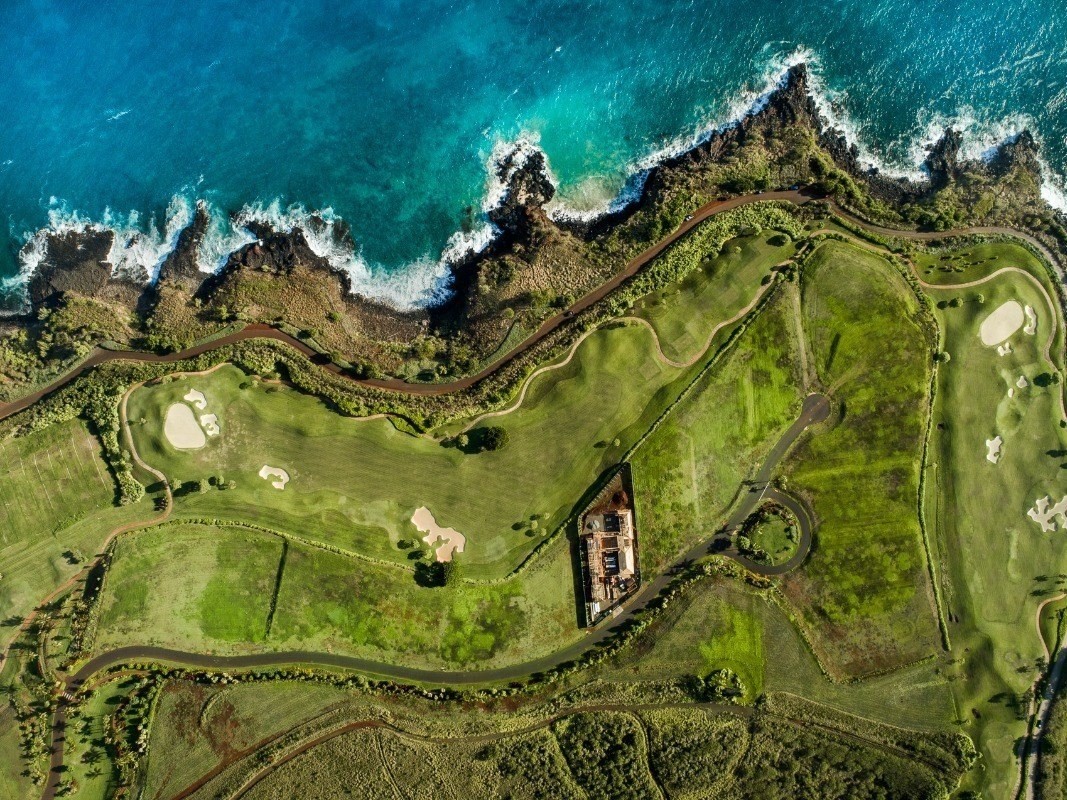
x,y
280,475
1004,349
1031,321
993,449
210,423
1002,323
181,429
196,398
1043,514
452,541
1022,383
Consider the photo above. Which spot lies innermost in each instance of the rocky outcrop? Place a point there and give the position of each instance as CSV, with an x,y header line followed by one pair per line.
x,y
1019,152
527,188
76,262
942,164
181,265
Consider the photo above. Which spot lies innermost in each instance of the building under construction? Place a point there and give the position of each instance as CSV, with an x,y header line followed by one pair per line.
x,y
607,545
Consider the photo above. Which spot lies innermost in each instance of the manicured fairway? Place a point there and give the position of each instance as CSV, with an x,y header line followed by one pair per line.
x,y
994,563
864,591
356,483
202,588
685,313
975,262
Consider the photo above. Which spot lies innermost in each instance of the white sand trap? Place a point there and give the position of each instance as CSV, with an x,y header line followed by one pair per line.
x,y
1031,321
993,449
210,423
452,541
1002,323
181,429
1043,514
196,398
1004,349
280,475
1011,392
1022,383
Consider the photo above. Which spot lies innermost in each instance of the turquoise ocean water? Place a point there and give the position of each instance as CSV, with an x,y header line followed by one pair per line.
x,y
387,114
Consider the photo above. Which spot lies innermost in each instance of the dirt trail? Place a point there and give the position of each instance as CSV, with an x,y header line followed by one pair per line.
x,y
262,331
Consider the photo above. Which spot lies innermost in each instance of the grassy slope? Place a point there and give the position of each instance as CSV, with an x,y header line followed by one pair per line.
x,y
690,752
688,471
864,591
209,725
678,312
355,483
994,563
199,587
181,583
724,624
55,495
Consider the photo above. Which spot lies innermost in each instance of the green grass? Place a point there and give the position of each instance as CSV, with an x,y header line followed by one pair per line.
x,y
688,471
198,587
685,313
186,583
56,497
13,786
87,757
994,564
734,641
776,536
864,591
976,262
719,624
355,483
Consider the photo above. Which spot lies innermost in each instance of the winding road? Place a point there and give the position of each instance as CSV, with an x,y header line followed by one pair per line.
x,y
263,331
816,409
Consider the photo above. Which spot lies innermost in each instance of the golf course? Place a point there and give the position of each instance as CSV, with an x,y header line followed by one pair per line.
x,y
831,544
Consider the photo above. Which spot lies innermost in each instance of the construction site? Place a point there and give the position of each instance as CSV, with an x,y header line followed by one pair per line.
x,y
607,545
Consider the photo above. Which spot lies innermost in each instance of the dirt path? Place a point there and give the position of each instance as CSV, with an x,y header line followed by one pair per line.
x,y
634,320
262,331
815,411
1039,712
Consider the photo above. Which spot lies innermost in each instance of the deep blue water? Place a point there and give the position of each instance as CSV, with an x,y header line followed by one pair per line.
x,y
387,112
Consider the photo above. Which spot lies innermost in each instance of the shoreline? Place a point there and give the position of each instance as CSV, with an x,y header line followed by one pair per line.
x,y
138,251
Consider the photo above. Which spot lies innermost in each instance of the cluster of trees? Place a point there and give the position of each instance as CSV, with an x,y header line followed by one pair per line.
x,y
480,440
605,754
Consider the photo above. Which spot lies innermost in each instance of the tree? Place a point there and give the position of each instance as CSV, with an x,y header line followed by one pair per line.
x,y
450,573
493,438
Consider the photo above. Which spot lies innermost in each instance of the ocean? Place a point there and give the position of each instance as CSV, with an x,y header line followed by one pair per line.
x,y
387,114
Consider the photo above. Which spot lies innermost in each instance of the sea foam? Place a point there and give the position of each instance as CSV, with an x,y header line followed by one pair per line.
x,y
140,248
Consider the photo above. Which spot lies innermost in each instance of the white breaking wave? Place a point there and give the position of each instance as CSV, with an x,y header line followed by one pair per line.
x,y
139,250
220,239
424,283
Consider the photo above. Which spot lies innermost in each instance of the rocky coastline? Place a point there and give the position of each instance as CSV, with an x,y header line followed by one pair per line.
x,y
76,262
